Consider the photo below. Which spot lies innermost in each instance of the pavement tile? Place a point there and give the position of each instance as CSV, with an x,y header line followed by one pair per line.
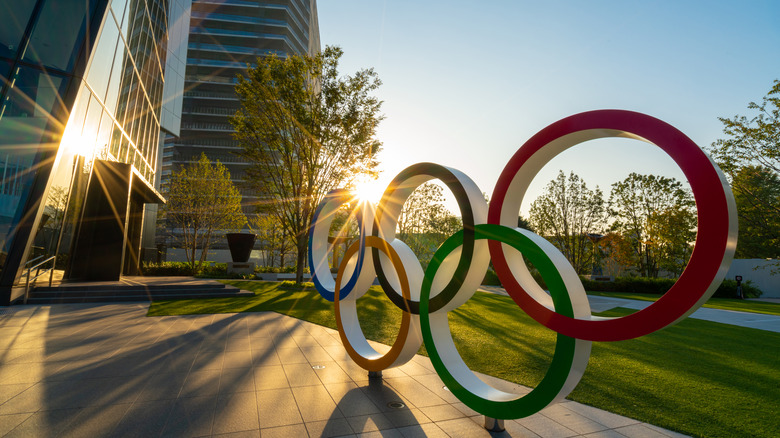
x,y
201,383
382,395
39,424
572,420
442,412
513,428
434,384
10,421
291,355
609,433
387,433
330,372
423,431
265,357
350,399
145,419
190,417
294,430
277,407
598,415
315,403
8,392
235,412
466,428
162,386
368,423
271,377
544,426
237,380
300,374
335,427
411,389
208,360
407,417
242,434
95,421
315,354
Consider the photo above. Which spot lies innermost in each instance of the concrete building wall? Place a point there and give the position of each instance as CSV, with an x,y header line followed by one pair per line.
x,y
760,273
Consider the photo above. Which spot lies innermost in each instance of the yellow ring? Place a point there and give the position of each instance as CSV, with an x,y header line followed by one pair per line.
x,y
377,362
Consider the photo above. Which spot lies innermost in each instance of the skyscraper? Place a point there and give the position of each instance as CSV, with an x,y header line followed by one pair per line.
x,y
81,86
226,36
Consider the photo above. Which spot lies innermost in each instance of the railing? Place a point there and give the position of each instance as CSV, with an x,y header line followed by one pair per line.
x,y
38,273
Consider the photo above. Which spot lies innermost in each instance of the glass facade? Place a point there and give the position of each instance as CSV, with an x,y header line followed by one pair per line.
x,y
82,85
225,36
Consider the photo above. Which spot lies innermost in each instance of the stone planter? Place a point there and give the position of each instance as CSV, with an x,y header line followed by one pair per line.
x,y
240,245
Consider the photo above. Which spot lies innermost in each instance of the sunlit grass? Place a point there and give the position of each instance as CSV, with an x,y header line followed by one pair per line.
x,y
698,377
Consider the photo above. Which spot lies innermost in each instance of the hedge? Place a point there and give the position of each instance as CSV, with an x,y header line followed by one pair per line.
x,y
641,285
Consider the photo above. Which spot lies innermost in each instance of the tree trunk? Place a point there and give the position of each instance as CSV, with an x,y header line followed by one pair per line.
x,y
302,243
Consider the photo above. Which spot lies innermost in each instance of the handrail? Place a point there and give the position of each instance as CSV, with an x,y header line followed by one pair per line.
x,y
38,273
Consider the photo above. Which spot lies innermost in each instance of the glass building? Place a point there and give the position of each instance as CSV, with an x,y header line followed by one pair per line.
x,y
81,111
224,37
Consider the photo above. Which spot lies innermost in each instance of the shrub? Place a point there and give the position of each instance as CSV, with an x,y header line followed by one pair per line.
x,y
275,270
728,289
165,269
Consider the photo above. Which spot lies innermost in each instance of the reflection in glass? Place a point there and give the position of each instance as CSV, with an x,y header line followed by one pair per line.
x,y
100,68
24,126
59,52
15,15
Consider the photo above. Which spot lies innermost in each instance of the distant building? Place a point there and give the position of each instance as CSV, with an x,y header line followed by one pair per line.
x,y
81,105
225,36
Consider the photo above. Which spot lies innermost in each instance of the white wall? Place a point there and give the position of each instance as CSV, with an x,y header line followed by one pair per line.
x,y
759,272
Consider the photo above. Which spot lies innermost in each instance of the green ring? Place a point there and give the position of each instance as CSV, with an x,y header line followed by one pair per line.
x,y
563,357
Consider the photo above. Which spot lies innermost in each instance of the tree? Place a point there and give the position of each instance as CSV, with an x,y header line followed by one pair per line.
x,y
425,223
202,199
306,130
757,192
617,254
671,232
273,239
750,157
642,206
566,213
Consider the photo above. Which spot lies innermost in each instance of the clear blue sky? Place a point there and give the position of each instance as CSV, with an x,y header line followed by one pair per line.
x,y
467,83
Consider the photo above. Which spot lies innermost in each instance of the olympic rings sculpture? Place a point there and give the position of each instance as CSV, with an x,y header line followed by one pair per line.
x,y
460,263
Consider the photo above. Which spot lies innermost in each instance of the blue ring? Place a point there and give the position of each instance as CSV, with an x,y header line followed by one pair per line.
x,y
340,196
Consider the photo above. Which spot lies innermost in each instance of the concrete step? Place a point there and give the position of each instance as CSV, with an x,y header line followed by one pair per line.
x,y
119,292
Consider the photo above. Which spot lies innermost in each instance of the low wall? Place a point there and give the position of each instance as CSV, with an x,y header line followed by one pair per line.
x,y
759,272
218,255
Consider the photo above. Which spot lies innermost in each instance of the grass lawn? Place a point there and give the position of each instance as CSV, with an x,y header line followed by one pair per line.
x,y
714,303
700,378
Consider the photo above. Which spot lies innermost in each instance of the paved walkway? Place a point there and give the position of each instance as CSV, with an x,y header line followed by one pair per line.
x,y
744,319
107,370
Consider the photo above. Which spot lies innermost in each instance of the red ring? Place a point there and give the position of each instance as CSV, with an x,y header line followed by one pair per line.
x,y
715,241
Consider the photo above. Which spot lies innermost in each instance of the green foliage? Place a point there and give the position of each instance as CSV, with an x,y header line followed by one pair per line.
x,y
728,289
645,285
202,200
166,269
566,212
274,242
750,156
424,223
654,214
491,278
306,131
757,192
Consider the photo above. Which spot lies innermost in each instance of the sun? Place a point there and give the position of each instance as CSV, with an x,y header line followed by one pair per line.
x,y
368,189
